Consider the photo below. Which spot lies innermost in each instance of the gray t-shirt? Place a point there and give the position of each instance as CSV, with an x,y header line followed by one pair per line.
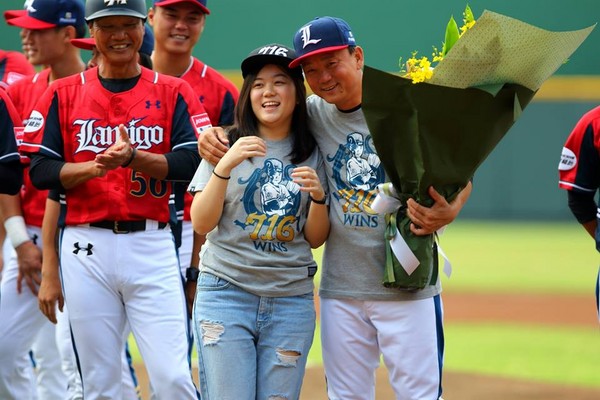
x,y
354,258
259,243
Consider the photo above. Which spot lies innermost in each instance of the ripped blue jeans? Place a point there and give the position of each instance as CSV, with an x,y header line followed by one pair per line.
x,y
250,347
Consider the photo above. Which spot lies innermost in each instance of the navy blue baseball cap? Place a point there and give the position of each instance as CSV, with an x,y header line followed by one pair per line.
x,y
321,35
200,3
274,53
45,14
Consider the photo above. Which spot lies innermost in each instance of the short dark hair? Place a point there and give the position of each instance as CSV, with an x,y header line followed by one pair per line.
x,y
80,30
145,60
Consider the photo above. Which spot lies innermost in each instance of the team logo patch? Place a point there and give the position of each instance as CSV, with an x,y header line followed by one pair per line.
x,y
95,138
87,249
306,39
201,122
113,2
35,121
18,130
12,77
274,50
67,19
568,160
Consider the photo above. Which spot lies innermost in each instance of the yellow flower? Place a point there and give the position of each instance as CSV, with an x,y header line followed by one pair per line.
x,y
421,69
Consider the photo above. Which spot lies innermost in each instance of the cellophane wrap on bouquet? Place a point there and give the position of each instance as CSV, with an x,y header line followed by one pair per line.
x,y
438,133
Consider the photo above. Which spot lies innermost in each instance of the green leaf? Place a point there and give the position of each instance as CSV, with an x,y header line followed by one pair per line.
x,y
452,35
468,15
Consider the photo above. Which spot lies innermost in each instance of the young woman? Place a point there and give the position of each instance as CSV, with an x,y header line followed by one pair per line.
x,y
263,207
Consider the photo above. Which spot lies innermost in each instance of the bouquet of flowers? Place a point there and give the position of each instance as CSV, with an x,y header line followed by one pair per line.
x,y
438,131
421,69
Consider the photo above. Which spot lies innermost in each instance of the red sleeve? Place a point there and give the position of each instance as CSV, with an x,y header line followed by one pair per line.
x,y
579,167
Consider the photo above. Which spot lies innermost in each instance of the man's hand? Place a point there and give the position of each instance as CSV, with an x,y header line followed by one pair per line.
x,y
117,154
29,258
213,144
426,220
50,293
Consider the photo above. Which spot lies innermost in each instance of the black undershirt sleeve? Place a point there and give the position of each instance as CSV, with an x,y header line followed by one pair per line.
x,y
582,205
45,172
11,181
182,164
227,111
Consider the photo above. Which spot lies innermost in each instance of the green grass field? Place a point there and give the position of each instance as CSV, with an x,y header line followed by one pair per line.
x,y
548,258
520,257
492,256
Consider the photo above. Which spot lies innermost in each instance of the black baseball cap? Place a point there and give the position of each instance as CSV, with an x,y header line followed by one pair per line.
x,y
273,53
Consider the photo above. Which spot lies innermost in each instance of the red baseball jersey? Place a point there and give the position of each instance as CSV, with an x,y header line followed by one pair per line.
x,y
13,66
77,118
24,94
218,95
579,167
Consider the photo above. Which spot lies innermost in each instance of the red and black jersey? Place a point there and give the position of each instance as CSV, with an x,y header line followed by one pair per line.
x,y
10,126
24,95
217,94
9,156
78,118
13,67
579,167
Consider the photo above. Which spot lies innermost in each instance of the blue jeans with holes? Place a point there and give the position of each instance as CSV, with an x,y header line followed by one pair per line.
x,y
250,347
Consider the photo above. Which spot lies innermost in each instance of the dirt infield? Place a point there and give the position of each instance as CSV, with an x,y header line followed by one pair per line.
x,y
461,307
459,386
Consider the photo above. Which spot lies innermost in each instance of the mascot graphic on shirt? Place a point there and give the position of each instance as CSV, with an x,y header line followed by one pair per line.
x,y
357,171
272,202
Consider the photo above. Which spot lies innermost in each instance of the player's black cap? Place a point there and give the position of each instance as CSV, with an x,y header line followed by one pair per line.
x,y
270,54
95,9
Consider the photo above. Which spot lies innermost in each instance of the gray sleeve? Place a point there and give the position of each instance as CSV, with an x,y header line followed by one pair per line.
x,y
201,177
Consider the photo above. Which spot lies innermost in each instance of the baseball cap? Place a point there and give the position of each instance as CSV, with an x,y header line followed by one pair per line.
x,y
9,14
147,44
273,53
87,43
45,14
199,3
321,35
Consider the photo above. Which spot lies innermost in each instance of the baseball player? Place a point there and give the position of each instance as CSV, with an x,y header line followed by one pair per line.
x,y
44,24
10,164
62,61
579,174
178,25
113,138
13,66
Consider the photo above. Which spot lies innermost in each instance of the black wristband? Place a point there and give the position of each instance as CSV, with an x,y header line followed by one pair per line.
x,y
322,201
191,274
133,153
225,178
